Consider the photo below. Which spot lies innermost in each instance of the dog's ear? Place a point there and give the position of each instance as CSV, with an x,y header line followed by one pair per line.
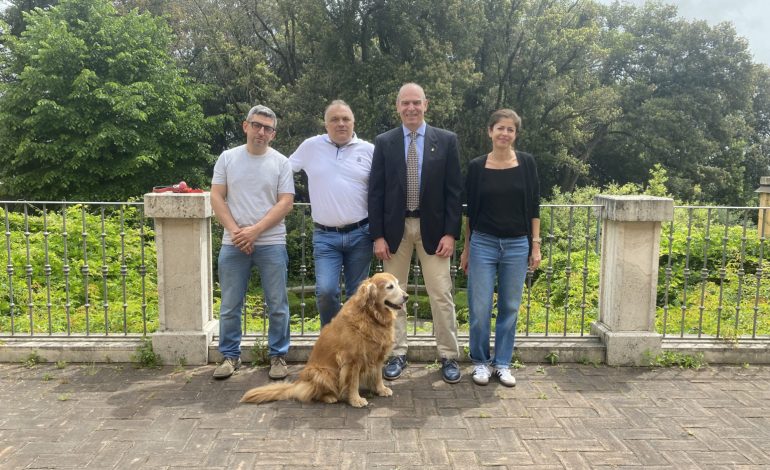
x,y
372,293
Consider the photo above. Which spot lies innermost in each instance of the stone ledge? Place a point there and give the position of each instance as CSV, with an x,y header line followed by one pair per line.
x,y
716,351
53,349
177,205
528,349
636,208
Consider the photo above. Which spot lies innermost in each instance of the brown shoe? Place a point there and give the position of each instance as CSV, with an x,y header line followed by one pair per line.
x,y
278,369
227,367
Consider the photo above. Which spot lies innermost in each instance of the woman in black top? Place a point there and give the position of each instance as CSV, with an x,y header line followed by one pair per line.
x,y
502,240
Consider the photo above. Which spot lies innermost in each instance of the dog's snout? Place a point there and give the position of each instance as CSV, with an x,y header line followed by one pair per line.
x,y
406,297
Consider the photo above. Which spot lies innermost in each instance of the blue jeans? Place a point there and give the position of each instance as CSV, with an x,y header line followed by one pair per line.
x,y
333,252
506,259
235,266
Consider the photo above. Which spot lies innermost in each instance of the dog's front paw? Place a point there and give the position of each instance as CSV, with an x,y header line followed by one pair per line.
x,y
384,391
358,402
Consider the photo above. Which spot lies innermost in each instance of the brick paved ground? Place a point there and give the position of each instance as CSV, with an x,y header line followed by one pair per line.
x,y
570,416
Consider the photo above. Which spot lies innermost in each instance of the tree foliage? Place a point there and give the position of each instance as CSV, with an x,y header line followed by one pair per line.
x,y
606,92
93,106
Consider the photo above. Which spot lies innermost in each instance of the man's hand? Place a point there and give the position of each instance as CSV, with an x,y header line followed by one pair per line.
x,y
446,246
245,237
381,249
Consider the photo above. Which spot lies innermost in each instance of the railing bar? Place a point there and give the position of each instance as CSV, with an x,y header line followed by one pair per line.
x,y
704,273
598,231
759,272
105,272
741,274
143,270
686,271
303,267
549,271
68,203
123,267
9,269
586,254
47,270
66,269
568,268
722,273
28,273
84,270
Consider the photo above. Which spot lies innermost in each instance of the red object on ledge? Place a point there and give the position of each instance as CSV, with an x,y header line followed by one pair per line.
x,y
180,187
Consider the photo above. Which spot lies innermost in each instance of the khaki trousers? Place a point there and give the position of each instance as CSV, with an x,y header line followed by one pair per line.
x,y
438,283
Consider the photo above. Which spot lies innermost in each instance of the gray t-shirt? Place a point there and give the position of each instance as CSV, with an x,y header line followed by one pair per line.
x,y
253,185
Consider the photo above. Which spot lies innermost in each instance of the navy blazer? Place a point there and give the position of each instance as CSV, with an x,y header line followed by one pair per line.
x,y
440,188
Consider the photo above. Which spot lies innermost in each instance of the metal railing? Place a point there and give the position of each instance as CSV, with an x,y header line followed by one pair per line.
x,y
78,269
560,298
712,277
89,269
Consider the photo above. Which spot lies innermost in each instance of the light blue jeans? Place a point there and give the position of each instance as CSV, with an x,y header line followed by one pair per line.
x,y
506,259
235,266
332,253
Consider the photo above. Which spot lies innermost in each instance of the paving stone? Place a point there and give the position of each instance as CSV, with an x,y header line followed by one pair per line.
x,y
566,416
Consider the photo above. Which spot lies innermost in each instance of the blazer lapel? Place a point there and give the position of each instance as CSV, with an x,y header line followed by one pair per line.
x,y
429,153
397,143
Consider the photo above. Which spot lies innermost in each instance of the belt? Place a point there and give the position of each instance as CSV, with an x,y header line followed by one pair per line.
x,y
414,213
344,228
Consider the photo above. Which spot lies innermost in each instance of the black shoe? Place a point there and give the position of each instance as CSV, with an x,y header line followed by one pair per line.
x,y
450,371
394,367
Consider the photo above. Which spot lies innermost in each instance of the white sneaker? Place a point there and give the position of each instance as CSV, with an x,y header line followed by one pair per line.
x,y
505,377
481,374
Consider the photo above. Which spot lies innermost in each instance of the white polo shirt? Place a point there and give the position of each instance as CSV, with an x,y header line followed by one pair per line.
x,y
338,178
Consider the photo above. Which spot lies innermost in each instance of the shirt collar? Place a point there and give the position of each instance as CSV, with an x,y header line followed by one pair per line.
x,y
420,130
328,139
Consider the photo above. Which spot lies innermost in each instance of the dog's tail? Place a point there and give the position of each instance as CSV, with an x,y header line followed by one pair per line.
x,y
300,390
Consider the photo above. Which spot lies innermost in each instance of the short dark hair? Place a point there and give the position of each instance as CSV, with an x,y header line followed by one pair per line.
x,y
262,110
504,113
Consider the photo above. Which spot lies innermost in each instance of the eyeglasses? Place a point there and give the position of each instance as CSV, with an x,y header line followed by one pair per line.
x,y
258,126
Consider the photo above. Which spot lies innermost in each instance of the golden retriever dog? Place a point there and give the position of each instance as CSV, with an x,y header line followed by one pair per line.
x,y
349,351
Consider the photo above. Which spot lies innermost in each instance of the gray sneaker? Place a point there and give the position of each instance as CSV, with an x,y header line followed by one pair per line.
x,y
278,369
227,367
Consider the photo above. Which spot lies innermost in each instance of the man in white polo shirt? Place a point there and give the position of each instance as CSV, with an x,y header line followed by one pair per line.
x,y
337,166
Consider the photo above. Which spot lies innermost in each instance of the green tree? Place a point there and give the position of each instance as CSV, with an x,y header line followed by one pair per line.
x,y
14,13
92,105
686,93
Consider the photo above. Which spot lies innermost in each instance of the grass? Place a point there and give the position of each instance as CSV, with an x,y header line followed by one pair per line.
x,y
675,359
260,353
145,357
32,360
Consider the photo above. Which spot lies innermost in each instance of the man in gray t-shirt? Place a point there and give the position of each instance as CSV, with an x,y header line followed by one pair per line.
x,y
251,192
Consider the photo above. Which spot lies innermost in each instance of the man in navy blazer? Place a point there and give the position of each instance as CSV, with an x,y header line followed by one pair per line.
x,y
431,229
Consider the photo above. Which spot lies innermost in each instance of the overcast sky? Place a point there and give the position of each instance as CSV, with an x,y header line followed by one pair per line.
x,y
750,17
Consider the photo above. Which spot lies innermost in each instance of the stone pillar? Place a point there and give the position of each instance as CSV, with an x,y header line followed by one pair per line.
x,y
183,242
764,201
629,276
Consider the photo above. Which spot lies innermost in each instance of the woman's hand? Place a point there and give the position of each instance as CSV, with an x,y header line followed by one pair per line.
x,y
535,257
464,259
